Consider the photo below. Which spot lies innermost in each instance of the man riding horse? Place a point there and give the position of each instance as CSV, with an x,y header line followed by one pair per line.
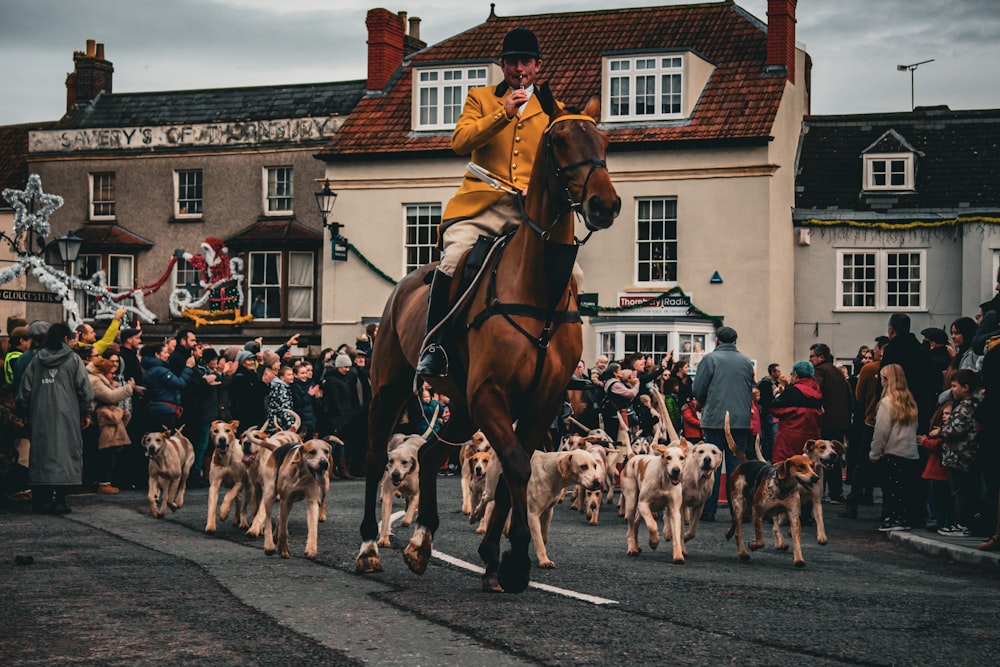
x,y
522,332
502,127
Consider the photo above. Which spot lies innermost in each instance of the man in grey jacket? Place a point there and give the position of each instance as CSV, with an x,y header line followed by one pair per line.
x,y
723,384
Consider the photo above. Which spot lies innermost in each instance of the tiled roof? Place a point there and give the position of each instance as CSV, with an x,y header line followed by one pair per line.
x,y
959,165
219,105
14,156
111,237
739,102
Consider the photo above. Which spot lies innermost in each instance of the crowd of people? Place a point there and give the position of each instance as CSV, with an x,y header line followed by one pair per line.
x,y
74,407
917,417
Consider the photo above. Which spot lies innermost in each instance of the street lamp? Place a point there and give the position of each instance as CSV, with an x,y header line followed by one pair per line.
x,y
910,69
325,199
69,247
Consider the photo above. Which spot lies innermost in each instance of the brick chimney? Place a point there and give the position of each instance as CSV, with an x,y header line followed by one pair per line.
x,y
781,39
385,46
91,75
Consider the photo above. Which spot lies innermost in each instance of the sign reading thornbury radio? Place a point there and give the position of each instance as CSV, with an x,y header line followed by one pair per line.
x,y
249,133
675,305
28,295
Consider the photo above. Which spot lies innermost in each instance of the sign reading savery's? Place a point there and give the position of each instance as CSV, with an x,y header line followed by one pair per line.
x,y
675,305
249,133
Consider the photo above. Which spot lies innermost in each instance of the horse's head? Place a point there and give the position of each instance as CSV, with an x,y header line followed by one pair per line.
x,y
576,150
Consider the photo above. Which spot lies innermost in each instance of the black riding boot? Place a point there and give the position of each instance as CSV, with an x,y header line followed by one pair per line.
x,y
433,359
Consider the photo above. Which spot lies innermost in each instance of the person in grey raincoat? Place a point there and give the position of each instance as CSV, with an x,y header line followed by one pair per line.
x,y
56,396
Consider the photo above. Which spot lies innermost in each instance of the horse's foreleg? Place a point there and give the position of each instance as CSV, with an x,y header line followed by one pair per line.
x,y
515,565
417,553
489,548
383,415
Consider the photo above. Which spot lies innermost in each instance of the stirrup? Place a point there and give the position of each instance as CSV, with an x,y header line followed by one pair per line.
x,y
433,361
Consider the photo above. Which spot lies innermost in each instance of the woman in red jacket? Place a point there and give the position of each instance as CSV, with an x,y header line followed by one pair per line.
x,y
798,409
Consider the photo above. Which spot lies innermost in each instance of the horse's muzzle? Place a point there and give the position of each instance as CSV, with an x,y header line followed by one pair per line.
x,y
599,215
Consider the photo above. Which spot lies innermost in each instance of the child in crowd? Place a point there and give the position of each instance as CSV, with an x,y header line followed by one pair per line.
x,y
958,450
279,400
305,399
691,414
935,473
894,447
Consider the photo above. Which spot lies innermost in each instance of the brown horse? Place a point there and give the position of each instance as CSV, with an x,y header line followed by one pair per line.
x,y
521,339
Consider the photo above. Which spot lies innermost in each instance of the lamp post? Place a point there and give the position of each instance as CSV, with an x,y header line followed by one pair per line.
x,y
325,199
910,69
68,246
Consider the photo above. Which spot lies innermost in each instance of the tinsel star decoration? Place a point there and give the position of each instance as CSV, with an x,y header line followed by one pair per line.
x,y
32,208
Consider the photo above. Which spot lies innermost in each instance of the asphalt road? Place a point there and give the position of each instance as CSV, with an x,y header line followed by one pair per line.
x,y
111,586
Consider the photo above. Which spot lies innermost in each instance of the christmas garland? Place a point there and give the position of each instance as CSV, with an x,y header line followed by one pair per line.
x,y
896,227
202,317
367,262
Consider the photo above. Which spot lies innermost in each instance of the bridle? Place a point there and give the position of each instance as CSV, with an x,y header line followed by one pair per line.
x,y
567,204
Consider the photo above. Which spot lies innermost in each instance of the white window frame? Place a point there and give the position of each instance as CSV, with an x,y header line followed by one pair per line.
x,y
120,285
274,194
420,234
309,287
439,94
636,72
182,193
251,286
883,276
105,182
905,160
610,336
86,303
662,244
193,280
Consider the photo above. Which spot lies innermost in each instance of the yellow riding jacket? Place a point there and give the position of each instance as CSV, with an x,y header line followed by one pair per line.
x,y
504,147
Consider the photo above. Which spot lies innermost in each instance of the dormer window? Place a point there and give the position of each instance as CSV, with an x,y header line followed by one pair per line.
x,y
889,171
645,87
440,94
889,164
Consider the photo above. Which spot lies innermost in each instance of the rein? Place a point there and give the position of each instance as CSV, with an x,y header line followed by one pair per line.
x,y
551,317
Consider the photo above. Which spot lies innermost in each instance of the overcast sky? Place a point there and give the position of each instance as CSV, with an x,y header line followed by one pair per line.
x,y
159,45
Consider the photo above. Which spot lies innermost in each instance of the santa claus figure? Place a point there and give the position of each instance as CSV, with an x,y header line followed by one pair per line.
x,y
214,266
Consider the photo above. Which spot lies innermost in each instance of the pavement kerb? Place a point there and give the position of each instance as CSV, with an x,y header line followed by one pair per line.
x,y
945,549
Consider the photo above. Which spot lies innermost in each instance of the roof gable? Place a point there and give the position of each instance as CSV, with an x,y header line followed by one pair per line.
x,y
890,142
739,102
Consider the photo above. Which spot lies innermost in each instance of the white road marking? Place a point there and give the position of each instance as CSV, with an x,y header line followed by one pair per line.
x,y
478,569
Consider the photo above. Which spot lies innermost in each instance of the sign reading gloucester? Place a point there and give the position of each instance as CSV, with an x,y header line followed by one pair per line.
x,y
28,295
675,305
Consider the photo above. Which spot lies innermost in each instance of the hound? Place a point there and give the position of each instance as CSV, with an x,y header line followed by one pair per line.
x,y
227,469
262,475
301,472
652,483
550,473
477,445
824,454
479,465
700,465
764,490
402,476
171,456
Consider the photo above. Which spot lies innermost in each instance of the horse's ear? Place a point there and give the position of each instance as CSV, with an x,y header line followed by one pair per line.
x,y
593,108
546,99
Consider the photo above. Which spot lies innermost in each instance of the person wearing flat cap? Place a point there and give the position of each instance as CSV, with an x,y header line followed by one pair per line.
x,y
502,128
936,340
